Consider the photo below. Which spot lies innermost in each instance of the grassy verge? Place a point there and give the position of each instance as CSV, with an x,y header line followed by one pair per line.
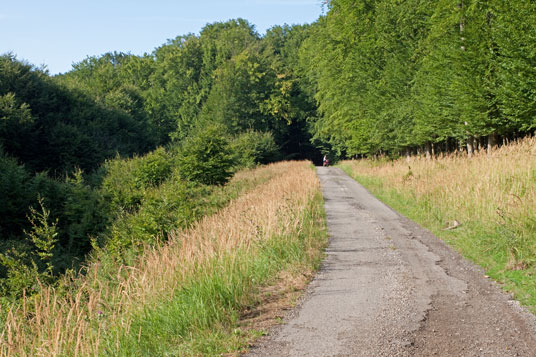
x,y
185,297
490,200
203,315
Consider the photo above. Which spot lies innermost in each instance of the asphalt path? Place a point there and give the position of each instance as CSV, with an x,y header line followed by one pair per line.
x,y
390,288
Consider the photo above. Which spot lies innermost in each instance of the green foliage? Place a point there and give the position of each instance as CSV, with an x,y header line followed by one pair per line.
x,y
77,209
206,157
252,148
15,121
62,126
153,168
391,76
15,196
25,268
84,214
291,100
174,204
126,180
514,26
20,273
43,235
236,99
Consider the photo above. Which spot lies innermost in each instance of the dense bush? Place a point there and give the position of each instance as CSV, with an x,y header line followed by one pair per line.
x,y
125,180
85,214
174,204
15,196
72,210
252,148
206,157
30,263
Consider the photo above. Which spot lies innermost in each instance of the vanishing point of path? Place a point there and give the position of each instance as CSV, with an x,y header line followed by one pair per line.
x,y
390,288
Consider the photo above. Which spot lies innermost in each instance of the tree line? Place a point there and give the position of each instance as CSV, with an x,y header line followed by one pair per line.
x,y
400,76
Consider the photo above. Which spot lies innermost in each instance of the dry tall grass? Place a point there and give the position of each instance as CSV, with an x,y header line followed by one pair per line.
x,y
74,322
495,193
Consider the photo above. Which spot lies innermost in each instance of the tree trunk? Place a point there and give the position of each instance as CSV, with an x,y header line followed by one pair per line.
x,y
428,150
492,142
470,146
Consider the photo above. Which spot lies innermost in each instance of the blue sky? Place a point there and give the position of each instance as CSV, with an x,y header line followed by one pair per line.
x,y
58,33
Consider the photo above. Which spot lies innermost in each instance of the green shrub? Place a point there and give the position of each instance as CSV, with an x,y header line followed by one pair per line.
x,y
43,235
126,180
153,168
19,272
252,148
85,214
28,263
19,190
15,197
174,204
206,157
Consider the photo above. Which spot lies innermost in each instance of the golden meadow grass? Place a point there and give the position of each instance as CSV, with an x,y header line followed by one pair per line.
x,y
95,317
493,198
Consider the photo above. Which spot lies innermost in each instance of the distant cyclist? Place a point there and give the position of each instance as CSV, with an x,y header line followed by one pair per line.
x,y
325,161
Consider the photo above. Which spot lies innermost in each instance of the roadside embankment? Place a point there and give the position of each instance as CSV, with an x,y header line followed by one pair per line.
x,y
185,297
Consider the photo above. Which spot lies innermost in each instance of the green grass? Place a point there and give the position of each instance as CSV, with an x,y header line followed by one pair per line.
x,y
202,317
184,297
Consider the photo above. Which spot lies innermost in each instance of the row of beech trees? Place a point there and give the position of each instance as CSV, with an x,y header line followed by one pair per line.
x,y
396,76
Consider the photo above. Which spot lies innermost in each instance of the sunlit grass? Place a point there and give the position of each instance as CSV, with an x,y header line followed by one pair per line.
x,y
184,297
492,198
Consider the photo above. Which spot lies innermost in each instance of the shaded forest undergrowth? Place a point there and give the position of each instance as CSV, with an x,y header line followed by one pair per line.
x,y
185,296
484,207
